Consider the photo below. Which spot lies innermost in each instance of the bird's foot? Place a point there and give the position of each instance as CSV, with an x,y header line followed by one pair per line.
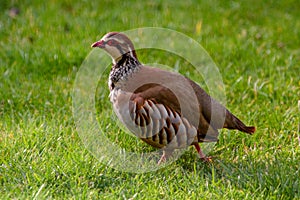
x,y
162,159
203,157
207,159
166,154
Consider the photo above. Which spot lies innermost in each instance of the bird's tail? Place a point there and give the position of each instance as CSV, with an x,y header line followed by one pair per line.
x,y
236,123
242,127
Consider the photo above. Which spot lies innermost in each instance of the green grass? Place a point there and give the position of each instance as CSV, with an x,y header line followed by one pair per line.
x,y
255,44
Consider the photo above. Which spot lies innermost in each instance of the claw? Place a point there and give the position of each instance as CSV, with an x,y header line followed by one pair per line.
x,y
207,159
166,154
202,156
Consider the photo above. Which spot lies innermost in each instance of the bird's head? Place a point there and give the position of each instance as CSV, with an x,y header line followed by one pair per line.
x,y
116,45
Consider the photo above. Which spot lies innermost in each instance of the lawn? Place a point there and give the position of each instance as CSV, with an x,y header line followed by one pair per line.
x,y
256,46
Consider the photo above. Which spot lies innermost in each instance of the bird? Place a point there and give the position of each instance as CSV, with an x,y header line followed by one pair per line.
x,y
164,109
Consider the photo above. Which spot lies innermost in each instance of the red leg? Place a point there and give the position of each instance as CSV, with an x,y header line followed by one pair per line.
x,y
201,154
165,156
162,159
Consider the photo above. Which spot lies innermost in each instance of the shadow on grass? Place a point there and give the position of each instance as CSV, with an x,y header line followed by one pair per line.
x,y
276,176
273,175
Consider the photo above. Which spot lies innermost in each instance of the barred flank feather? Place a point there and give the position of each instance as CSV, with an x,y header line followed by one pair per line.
x,y
160,126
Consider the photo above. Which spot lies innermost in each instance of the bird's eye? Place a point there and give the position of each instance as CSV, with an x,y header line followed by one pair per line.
x,y
110,42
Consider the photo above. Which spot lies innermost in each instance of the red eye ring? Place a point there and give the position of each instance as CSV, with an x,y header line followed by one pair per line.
x,y
110,42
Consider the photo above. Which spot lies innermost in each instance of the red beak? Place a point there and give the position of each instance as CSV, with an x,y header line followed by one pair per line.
x,y
99,44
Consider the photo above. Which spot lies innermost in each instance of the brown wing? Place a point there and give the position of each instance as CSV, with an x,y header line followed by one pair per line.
x,y
178,94
216,114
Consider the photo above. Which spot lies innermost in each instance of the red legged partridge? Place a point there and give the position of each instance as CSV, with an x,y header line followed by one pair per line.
x,y
164,109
